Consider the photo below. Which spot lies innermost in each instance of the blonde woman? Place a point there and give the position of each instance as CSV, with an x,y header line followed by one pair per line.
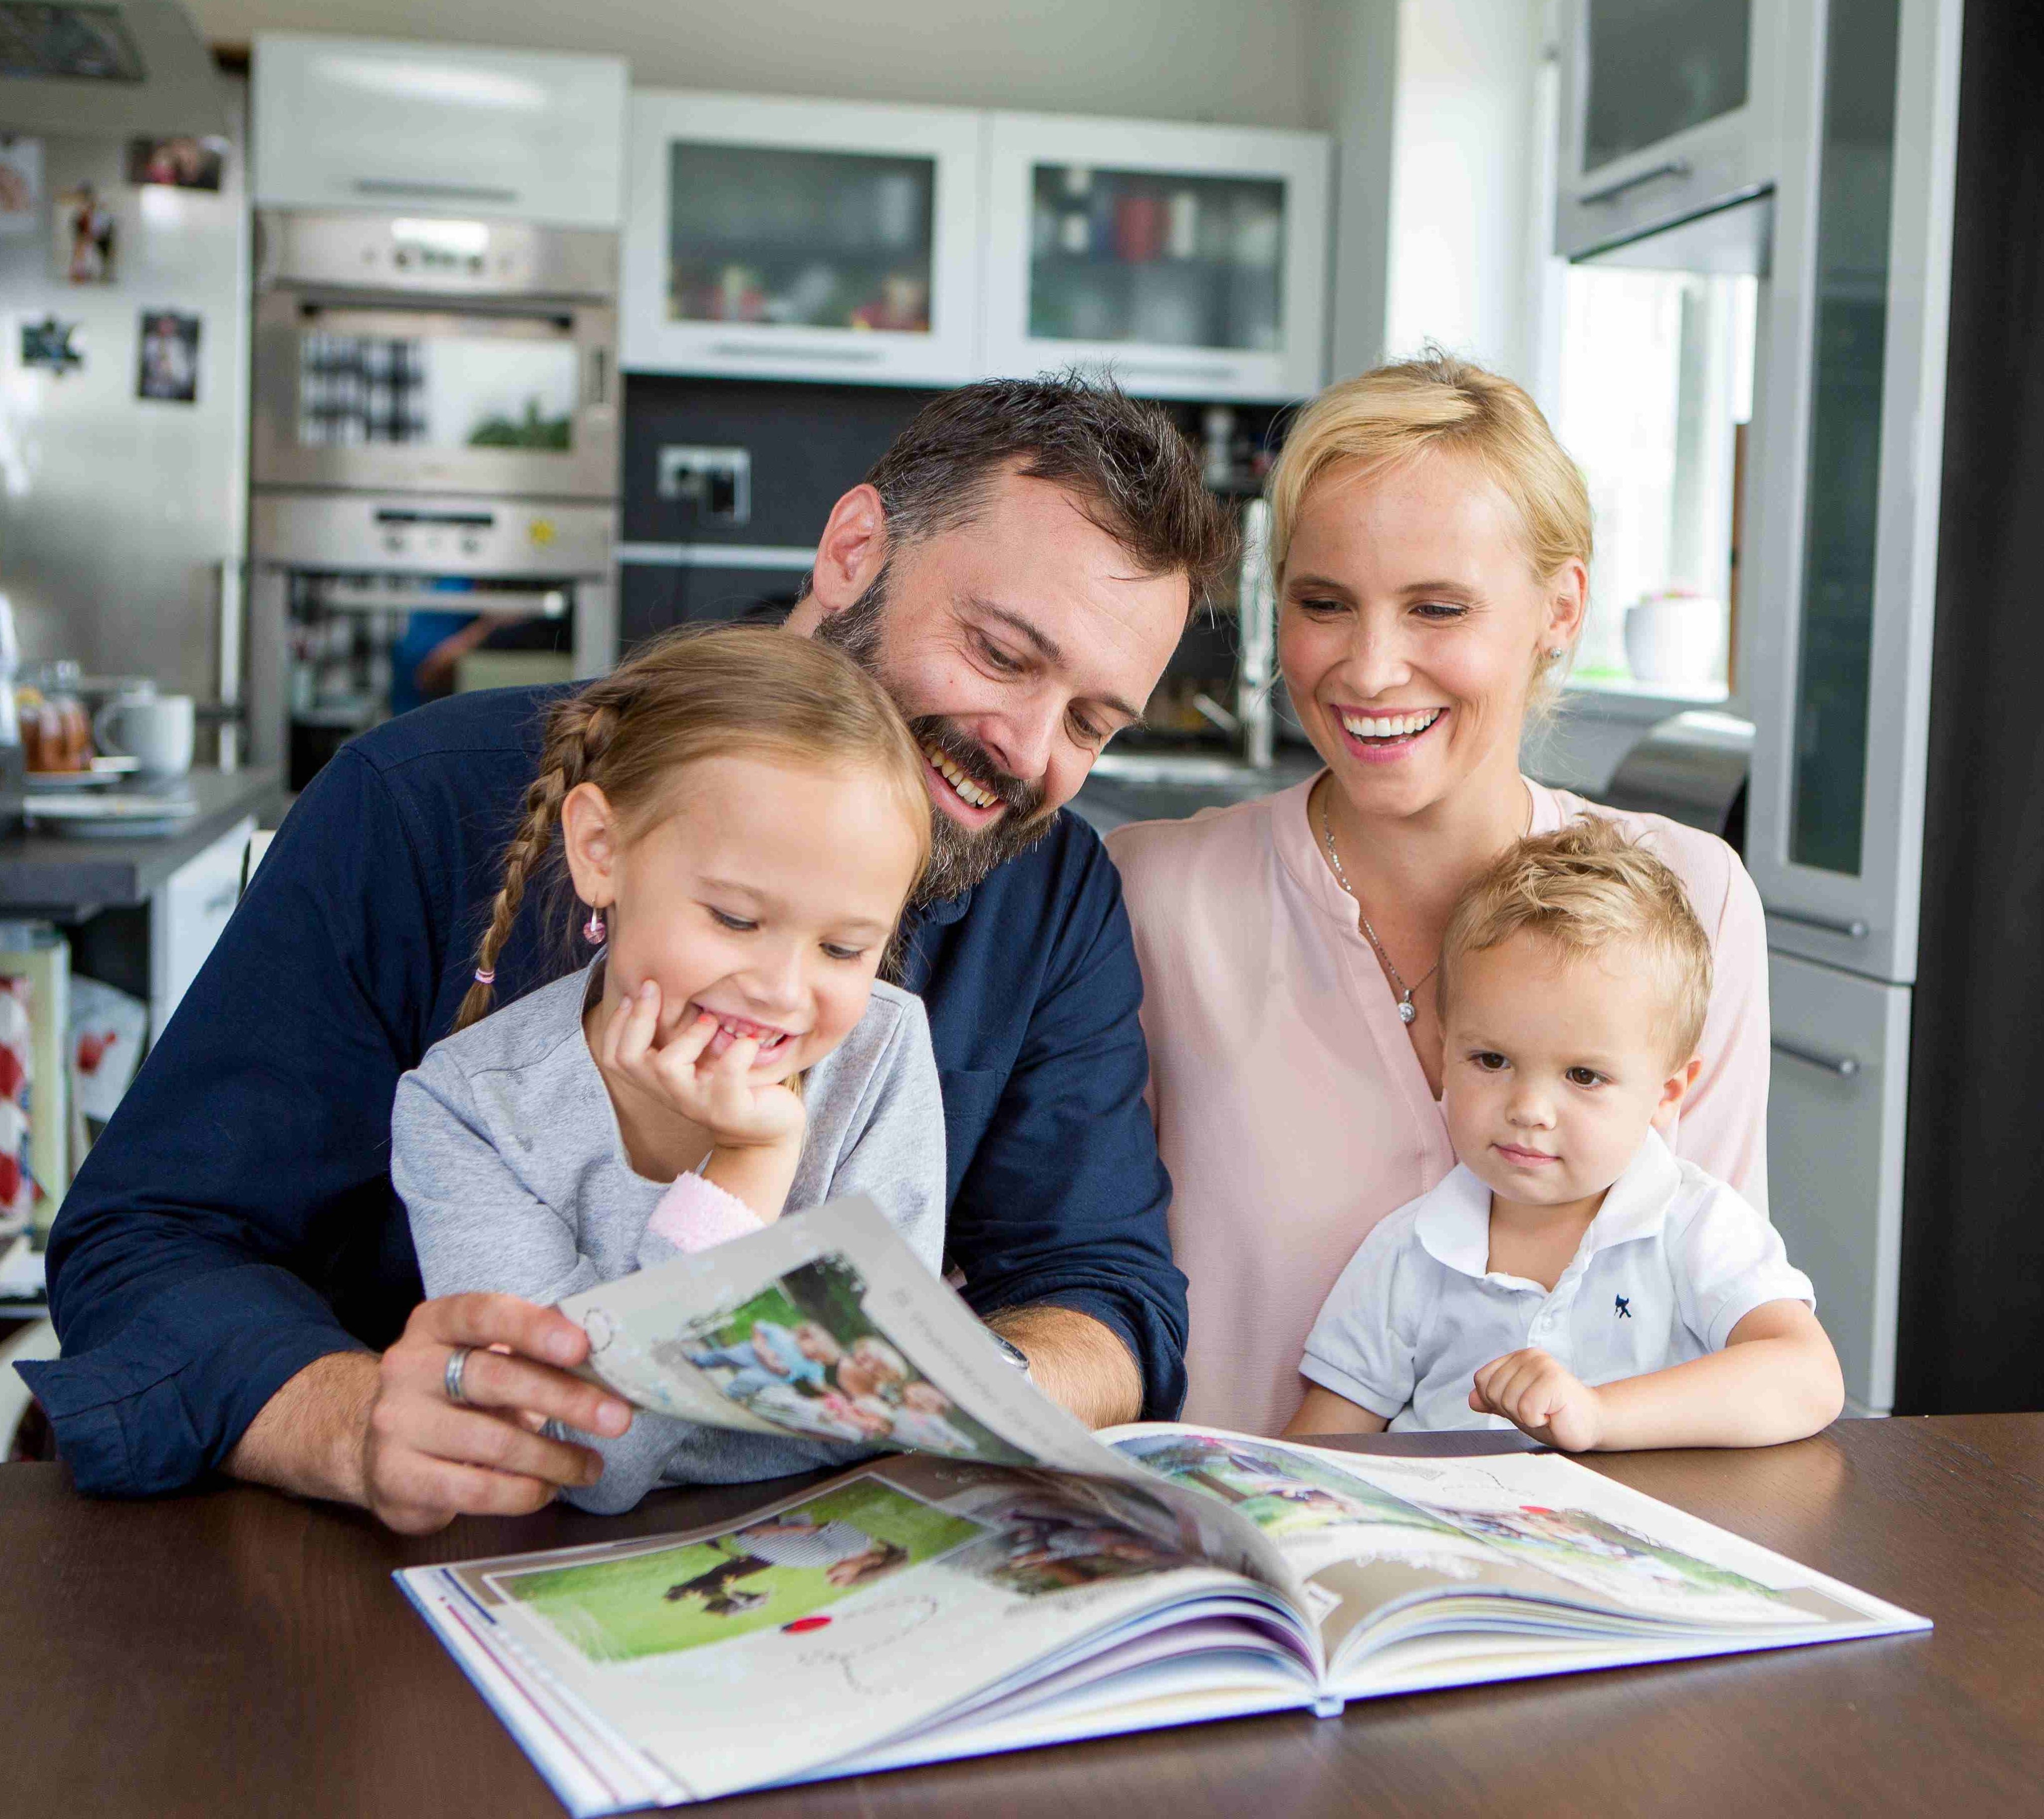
x,y
1431,545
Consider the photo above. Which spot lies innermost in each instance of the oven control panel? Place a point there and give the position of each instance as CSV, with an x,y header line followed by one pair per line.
x,y
447,254
424,536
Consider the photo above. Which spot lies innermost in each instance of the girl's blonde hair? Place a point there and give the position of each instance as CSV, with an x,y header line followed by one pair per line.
x,y
1396,413
1586,887
692,694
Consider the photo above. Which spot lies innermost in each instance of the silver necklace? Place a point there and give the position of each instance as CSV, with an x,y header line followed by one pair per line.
x,y
1407,1009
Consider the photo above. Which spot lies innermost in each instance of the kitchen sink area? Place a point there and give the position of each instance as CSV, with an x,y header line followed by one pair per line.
x,y
1167,786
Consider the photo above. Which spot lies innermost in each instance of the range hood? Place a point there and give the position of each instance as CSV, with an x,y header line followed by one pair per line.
x,y
115,69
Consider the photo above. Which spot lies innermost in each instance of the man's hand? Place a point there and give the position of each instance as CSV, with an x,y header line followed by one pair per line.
x,y
383,1434
1533,1392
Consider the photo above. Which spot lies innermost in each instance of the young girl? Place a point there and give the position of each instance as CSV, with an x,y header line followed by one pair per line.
x,y
742,814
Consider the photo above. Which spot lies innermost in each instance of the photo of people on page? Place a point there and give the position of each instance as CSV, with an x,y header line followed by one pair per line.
x,y
782,1569
803,1354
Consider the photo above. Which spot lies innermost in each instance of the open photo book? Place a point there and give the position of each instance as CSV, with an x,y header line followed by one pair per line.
x,y
1002,1577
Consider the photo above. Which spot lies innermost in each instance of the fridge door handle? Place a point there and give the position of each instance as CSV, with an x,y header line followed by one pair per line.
x,y
1851,928
1845,1067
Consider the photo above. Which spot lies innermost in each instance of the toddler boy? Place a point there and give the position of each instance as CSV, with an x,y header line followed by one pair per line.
x,y
1572,1277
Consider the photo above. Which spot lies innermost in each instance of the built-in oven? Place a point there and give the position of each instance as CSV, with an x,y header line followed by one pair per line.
x,y
433,464
395,352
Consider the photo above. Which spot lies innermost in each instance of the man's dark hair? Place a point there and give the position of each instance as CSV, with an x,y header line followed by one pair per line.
x,y
1133,475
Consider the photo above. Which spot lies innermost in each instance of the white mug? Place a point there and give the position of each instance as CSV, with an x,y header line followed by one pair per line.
x,y
156,730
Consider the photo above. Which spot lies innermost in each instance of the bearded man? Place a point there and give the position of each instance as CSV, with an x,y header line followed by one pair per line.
x,y
232,1275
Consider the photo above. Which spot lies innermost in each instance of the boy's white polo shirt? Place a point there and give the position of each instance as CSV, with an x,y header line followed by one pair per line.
x,y
1673,1260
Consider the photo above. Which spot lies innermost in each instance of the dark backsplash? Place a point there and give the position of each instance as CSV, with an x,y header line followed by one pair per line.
x,y
808,443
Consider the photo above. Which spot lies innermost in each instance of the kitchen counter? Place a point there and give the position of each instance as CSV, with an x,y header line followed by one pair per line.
x,y
65,878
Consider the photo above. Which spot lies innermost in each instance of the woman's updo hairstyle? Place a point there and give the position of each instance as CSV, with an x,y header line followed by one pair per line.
x,y
694,693
1396,413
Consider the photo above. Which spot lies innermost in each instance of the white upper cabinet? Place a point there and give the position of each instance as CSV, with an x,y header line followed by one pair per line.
x,y
1670,108
1191,260
801,239
363,123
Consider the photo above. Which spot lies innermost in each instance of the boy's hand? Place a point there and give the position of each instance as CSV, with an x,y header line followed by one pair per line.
x,y
1533,1392
718,1095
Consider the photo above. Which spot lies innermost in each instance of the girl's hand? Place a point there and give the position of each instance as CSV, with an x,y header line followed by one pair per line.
x,y
718,1096
1533,1392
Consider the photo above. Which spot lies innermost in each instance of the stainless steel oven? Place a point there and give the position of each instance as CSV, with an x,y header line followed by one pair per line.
x,y
395,352
433,468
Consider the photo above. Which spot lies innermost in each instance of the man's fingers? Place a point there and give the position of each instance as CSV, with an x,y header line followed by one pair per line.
x,y
492,1380
483,1320
469,1437
420,1494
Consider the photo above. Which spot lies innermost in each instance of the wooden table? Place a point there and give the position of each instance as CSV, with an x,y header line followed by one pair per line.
x,y
233,1653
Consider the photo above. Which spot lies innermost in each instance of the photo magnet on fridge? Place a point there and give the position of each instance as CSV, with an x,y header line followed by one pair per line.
x,y
21,185
53,345
184,162
168,367
84,238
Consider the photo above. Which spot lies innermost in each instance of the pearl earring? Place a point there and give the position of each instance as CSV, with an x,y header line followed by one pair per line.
x,y
1554,653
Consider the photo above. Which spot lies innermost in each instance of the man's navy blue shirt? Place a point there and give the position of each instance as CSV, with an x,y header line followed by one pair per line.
x,y
236,1219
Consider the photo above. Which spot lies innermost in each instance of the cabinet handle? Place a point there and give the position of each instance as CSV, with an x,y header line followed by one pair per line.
x,y
599,377
1175,368
1844,1066
446,192
754,351
1611,191
1852,927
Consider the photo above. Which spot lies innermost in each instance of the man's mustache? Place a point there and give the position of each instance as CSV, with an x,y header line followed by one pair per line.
x,y
1024,801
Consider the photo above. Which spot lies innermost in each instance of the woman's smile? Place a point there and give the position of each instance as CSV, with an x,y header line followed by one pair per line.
x,y
1382,736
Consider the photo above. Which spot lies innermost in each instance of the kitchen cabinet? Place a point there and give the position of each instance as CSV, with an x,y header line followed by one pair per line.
x,y
1837,1093
365,123
1848,494
801,239
186,916
1190,260
1670,108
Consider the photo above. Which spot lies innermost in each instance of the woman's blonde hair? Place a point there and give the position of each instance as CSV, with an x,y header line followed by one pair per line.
x,y
692,694
1581,889
1394,414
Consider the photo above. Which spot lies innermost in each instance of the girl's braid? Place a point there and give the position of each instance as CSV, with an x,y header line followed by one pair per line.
x,y
579,730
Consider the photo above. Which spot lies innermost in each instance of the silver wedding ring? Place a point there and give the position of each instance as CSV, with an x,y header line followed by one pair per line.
x,y
457,1363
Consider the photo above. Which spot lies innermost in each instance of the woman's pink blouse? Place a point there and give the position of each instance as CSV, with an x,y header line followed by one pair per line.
x,y
1291,1110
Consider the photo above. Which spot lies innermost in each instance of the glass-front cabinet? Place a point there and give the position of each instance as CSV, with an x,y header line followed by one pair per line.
x,y
1191,261
1840,677
801,239
1669,107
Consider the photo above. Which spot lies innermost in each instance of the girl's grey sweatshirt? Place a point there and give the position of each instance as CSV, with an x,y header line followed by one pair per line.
x,y
506,1150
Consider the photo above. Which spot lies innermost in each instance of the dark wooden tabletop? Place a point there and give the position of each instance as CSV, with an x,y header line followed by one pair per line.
x,y
234,1652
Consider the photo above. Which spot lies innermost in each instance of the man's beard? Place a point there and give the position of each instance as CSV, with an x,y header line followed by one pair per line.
x,y
959,858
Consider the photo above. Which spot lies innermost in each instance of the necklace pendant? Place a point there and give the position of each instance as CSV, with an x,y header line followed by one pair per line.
x,y
1406,1010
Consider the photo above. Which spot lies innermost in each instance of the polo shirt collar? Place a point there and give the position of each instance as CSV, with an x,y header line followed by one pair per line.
x,y
1454,1227
1637,1206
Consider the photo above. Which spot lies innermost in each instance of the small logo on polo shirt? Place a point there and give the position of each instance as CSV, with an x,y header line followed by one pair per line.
x,y
1622,1306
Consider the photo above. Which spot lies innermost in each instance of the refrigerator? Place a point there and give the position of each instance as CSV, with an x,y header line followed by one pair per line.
x,y
123,478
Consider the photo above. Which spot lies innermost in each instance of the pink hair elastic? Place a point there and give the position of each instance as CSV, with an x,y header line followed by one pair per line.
x,y
485,976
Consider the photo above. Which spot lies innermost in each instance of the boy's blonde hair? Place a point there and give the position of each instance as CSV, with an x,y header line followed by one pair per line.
x,y
1583,889
1396,413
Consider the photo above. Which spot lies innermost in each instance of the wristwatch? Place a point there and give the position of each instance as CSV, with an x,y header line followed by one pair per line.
x,y
1012,1352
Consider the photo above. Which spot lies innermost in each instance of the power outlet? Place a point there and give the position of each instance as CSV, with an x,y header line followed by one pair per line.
x,y
718,480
